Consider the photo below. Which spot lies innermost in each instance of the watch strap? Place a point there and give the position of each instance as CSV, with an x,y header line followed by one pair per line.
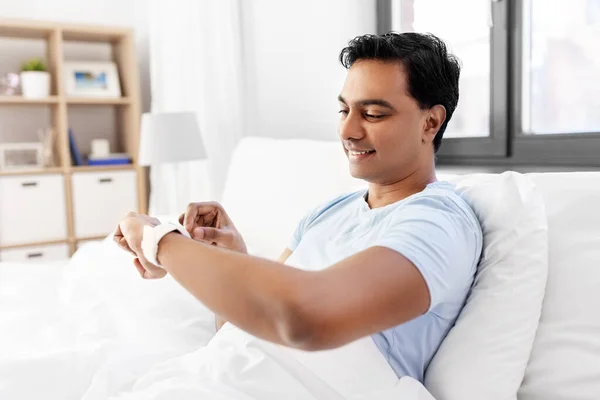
x,y
152,236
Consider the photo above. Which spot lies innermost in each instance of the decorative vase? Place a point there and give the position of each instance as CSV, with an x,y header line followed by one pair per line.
x,y
35,84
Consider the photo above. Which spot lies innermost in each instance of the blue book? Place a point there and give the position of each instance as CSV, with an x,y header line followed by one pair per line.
x,y
110,161
75,154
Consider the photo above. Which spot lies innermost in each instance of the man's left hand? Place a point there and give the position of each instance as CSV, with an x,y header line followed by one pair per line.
x,y
128,236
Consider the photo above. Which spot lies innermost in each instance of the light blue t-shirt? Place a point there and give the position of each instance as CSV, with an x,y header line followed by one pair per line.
x,y
435,229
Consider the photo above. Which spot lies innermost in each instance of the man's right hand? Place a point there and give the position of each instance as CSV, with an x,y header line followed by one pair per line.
x,y
209,223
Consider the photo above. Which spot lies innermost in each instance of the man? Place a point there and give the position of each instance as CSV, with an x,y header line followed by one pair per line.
x,y
395,261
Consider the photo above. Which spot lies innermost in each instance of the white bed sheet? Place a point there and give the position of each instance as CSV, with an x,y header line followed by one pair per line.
x,y
91,329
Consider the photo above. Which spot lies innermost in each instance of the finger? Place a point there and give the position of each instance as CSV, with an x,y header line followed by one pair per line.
x,y
120,240
123,245
209,219
190,217
117,234
224,218
139,267
203,214
151,270
221,237
181,217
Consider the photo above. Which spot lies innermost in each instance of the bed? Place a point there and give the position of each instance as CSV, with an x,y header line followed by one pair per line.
x,y
92,329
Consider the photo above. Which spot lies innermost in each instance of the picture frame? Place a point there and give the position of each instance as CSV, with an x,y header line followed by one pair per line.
x,y
15,156
92,79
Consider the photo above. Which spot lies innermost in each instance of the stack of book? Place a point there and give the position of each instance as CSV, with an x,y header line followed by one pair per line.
x,y
108,159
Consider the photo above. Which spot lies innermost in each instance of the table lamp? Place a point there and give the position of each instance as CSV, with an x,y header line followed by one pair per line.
x,y
170,138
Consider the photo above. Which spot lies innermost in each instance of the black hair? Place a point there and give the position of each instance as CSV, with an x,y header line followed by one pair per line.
x,y
432,72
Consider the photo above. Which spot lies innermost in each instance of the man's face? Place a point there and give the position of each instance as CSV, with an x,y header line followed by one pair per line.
x,y
381,127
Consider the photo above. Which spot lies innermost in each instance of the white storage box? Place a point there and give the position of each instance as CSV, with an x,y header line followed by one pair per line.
x,y
32,209
52,252
101,199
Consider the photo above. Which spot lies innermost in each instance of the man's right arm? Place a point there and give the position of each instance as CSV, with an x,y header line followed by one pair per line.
x,y
219,322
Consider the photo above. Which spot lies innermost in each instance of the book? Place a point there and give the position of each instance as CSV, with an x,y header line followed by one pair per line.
x,y
111,159
75,154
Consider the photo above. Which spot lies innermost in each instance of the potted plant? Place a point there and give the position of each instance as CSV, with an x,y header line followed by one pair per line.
x,y
35,80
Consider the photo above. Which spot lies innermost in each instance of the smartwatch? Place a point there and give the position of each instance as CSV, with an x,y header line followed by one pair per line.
x,y
152,236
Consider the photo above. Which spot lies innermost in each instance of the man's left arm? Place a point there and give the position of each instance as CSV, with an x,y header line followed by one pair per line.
x,y
368,292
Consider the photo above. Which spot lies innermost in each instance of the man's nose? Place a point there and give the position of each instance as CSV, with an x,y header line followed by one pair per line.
x,y
351,127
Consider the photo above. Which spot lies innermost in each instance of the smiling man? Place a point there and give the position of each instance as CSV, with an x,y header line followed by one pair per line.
x,y
394,262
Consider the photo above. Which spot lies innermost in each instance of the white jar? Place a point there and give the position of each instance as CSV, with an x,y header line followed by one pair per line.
x,y
35,84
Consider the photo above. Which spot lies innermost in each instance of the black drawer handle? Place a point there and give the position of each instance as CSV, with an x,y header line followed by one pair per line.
x,y
35,255
105,180
29,184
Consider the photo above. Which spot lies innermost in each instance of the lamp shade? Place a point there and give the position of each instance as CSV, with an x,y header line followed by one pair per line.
x,y
170,137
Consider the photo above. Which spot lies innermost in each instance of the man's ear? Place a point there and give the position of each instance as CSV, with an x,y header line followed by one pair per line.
x,y
436,116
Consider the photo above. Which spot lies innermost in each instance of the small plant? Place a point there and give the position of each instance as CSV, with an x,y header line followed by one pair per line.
x,y
35,64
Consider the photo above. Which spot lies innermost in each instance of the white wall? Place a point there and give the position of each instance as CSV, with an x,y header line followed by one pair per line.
x,y
20,123
291,53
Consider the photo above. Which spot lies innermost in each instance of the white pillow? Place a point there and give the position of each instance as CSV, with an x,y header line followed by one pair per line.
x,y
485,354
565,360
273,183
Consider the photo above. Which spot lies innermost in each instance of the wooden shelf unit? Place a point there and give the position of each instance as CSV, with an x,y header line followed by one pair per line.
x,y
129,112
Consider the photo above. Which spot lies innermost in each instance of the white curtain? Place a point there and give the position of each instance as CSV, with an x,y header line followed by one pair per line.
x,y
195,65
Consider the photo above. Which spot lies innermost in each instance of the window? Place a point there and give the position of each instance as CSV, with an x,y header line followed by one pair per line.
x,y
561,59
530,80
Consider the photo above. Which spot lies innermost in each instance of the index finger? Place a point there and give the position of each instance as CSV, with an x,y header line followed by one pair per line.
x,y
190,217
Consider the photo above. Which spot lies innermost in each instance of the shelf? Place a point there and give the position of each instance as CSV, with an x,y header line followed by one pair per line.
x,y
98,101
34,171
25,29
23,100
32,244
59,170
102,168
83,33
99,237
70,100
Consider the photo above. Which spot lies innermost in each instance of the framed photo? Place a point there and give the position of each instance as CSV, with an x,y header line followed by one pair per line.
x,y
21,155
92,79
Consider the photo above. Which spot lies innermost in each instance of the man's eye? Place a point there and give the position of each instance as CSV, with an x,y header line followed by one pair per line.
x,y
374,116
343,112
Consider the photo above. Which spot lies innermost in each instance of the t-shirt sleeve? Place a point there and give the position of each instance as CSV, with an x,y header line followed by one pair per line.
x,y
443,241
299,231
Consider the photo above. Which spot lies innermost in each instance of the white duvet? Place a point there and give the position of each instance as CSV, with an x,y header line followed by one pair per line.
x,y
92,329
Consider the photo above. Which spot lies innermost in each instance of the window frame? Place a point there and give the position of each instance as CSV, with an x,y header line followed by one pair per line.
x,y
507,143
